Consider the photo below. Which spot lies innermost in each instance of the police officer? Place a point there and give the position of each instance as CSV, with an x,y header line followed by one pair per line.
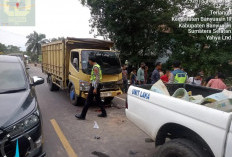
x,y
177,75
94,91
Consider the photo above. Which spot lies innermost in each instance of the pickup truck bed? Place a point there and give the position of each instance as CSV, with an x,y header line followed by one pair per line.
x,y
196,90
166,118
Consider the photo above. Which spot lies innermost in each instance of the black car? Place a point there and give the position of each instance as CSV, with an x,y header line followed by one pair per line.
x,y
20,117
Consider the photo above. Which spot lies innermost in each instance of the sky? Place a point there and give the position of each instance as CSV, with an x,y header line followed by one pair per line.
x,y
54,18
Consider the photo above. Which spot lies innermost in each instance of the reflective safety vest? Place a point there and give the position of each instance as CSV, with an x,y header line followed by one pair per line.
x,y
93,76
180,78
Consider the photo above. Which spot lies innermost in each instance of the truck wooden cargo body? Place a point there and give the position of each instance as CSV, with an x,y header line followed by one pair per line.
x,y
66,65
55,58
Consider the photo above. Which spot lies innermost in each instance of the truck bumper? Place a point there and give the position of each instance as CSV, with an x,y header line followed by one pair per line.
x,y
104,94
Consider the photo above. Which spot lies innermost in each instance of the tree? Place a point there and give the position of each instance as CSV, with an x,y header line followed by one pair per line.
x,y
3,48
13,49
34,44
196,52
7,49
134,25
143,30
56,39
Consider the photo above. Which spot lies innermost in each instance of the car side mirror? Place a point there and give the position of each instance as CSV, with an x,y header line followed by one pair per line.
x,y
37,80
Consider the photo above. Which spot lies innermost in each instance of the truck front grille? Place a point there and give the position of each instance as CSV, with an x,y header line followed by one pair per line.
x,y
109,86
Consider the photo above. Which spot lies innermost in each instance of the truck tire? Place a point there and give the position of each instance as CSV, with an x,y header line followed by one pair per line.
x,y
51,85
108,100
180,148
74,99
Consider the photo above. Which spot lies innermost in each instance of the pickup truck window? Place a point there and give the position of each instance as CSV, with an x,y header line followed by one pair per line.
x,y
109,62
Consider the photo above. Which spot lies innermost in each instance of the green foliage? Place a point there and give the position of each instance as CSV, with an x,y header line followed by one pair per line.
x,y
197,53
3,48
40,58
7,49
56,39
143,30
13,49
34,44
133,24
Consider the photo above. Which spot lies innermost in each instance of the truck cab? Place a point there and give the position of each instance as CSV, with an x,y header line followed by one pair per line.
x,y
80,70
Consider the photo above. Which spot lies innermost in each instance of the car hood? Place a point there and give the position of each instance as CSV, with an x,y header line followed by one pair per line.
x,y
15,106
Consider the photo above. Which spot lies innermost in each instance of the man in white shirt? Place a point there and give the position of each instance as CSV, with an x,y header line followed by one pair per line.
x,y
196,80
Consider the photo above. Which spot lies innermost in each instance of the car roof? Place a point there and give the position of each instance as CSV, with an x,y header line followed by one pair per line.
x,y
5,58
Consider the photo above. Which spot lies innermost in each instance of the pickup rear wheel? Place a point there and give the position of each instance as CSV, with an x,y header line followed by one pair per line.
x,y
180,148
74,99
51,85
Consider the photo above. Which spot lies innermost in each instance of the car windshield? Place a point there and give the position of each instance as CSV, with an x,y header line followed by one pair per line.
x,y
109,62
12,77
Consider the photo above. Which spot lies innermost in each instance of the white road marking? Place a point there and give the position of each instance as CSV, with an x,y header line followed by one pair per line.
x,y
120,98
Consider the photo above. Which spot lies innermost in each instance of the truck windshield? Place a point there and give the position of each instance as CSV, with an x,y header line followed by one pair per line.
x,y
12,77
109,62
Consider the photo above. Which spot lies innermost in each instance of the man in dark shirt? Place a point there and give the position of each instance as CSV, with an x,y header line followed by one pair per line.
x,y
133,76
155,74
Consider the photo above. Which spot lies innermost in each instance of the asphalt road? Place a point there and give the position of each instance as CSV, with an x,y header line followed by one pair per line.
x,y
65,136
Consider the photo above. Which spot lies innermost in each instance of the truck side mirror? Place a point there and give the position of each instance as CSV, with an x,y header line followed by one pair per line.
x,y
75,63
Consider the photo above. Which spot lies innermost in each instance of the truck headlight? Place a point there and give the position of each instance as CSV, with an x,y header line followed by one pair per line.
x,y
84,85
24,125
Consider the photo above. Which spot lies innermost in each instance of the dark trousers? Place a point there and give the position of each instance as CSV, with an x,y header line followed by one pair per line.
x,y
125,86
89,101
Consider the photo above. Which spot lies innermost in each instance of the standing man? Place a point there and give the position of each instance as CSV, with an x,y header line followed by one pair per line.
x,y
146,74
133,76
156,73
140,74
124,78
177,75
94,91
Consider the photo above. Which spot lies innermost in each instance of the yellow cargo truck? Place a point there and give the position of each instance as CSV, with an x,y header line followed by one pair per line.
x,y
66,65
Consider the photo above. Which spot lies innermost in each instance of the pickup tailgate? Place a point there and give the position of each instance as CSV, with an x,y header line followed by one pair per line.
x,y
229,143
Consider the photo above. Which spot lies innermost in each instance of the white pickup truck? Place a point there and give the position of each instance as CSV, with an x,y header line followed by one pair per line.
x,y
178,127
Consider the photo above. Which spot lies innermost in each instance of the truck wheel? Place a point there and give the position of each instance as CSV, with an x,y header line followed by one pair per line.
x,y
180,148
108,100
52,86
74,99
